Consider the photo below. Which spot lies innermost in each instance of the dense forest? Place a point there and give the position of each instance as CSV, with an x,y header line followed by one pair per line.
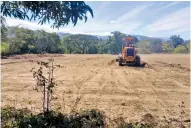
x,y
16,40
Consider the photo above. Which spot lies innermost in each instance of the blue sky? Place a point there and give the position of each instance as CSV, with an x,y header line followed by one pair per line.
x,y
157,19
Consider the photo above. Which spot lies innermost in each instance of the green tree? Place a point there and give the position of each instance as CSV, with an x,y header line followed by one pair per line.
x,y
68,44
103,46
3,29
156,46
59,13
188,46
116,41
4,48
15,45
80,43
167,48
176,40
144,47
53,44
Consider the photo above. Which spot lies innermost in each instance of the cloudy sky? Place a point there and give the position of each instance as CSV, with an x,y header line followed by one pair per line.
x,y
157,19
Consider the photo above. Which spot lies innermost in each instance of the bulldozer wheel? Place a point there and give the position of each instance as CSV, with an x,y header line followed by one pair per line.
x,y
120,62
138,60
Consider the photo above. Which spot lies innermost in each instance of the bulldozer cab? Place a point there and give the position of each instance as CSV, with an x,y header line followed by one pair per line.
x,y
128,42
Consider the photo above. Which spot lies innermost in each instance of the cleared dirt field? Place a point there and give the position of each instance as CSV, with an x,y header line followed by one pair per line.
x,y
96,81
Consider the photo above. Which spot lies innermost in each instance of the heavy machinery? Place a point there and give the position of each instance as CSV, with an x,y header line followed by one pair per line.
x,y
128,56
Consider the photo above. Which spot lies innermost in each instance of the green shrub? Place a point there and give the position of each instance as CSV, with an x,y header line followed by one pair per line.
x,y
167,48
180,49
4,48
188,46
10,117
23,118
143,51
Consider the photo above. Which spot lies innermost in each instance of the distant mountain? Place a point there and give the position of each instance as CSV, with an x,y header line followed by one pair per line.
x,y
101,37
61,34
139,37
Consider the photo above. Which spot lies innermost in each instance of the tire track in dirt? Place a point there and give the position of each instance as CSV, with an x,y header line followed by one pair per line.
x,y
161,78
150,83
80,85
127,92
145,82
122,76
136,82
171,65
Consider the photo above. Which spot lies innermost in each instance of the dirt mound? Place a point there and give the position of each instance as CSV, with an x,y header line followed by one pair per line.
x,y
145,64
111,62
174,65
29,56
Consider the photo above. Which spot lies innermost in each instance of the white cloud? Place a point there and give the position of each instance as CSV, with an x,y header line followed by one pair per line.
x,y
94,33
102,7
91,27
134,13
131,27
35,26
176,22
168,5
32,25
113,21
127,23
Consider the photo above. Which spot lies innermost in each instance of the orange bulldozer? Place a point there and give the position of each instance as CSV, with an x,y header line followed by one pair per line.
x,y
128,56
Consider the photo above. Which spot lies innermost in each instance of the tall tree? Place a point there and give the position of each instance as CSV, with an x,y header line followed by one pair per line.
x,y
176,40
156,46
3,29
117,41
81,43
59,13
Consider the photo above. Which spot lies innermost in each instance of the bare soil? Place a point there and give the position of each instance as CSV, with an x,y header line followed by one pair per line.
x,y
97,82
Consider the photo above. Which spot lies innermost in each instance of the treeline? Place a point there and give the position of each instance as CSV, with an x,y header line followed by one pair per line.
x,y
20,41
174,45
17,40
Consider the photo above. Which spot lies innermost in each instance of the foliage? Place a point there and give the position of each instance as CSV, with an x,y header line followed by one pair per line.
x,y
81,44
167,48
3,29
116,41
23,118
4,48
21,41
143,47
56,12
180,49
10,117
143,51
176,40
188,46
156,46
